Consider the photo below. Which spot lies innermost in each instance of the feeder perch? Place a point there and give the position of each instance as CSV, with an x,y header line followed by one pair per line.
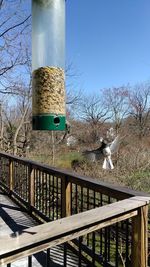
x,y
48,63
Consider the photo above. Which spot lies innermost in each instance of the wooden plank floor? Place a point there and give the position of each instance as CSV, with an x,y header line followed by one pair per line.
x,y
13,221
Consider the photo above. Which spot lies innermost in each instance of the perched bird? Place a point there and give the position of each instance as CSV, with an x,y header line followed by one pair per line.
x,y
104,151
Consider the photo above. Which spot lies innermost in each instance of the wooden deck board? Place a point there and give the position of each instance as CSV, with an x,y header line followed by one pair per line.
x,y
12,217
14,220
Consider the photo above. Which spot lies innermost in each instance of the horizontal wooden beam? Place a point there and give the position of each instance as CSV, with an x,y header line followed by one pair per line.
x,y
44,236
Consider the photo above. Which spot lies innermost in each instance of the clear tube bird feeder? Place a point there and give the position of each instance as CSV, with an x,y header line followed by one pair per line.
x,y
48,63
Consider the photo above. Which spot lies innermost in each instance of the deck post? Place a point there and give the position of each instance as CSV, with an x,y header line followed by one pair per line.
x,y
66,197
139,255
31,186
11,176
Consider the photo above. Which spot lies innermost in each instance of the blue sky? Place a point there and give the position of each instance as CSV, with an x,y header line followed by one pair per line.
x,y
108,42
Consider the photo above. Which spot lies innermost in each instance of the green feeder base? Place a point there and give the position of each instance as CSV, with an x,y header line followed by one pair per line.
x,y
50,122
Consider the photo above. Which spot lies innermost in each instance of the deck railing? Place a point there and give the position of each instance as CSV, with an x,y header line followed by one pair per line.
x,y
50,194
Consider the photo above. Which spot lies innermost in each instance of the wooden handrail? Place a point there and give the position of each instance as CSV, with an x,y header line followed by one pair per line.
x,y
44,236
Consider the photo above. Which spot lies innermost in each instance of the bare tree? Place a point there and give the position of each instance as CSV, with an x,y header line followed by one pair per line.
x,y
139,100
95,113
17,124
1,127
116,101
14,36
15,70
73,95
23,120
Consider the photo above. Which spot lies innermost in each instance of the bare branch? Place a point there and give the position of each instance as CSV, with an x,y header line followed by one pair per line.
x,y
1,2
5,21
15,26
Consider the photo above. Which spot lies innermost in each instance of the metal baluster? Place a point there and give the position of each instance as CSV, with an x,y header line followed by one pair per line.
x,y
81,238
117,245
35,191
15,176
24,189
36,187
49,196
39,189
39,177
81,199
79,255
65,254
53,196
20,182
59,195
93,249
27,183
48,258
61,198
87,198
127,243
108,235
106,246
76,199
29,261
93,236
101,231
46,196
87,209
71,204
56,197
43,194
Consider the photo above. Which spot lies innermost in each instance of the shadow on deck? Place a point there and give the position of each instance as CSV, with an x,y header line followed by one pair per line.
x,y
15,221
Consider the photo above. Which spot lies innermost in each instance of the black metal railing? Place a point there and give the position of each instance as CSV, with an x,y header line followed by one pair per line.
x,y
50,194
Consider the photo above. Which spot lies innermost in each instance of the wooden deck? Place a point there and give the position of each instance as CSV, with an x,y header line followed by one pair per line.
x,y
89,222
14,221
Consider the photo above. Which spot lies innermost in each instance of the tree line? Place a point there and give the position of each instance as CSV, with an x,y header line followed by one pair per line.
x,y
112,106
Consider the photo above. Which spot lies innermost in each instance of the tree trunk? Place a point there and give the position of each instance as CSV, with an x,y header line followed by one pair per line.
x,y
17,131
2,128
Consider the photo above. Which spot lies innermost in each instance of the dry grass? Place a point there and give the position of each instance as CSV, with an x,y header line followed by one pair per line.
x,y
132,164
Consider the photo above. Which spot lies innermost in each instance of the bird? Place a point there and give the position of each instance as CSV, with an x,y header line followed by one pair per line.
x,y
104,151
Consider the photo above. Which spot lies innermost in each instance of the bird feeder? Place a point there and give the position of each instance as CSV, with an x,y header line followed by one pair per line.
x,y
48,63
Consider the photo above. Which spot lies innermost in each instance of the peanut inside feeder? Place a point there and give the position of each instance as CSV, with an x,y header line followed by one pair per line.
x,y
48,91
